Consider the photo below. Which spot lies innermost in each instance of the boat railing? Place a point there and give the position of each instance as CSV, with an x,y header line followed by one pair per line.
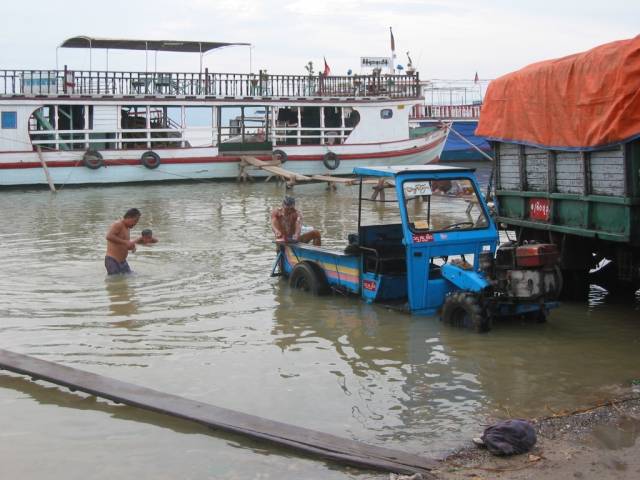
x,y
446,112
102,83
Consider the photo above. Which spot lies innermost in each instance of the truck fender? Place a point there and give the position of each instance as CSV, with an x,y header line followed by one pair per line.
x,y
464,279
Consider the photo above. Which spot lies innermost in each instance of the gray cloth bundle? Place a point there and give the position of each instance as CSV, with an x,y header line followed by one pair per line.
x,y
509,437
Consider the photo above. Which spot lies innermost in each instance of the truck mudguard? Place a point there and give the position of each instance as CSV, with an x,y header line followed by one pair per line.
x,y
464,279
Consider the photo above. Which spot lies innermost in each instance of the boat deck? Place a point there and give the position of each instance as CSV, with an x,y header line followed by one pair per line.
x,y
234,85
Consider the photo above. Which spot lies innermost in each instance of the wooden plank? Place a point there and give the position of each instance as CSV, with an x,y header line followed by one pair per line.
x,y
329,178
324,445
288,174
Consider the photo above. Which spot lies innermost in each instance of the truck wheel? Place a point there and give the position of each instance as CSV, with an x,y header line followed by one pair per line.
x,y
310,278
463,309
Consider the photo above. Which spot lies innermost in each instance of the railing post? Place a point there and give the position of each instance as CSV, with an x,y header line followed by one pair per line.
x,y
206,80
64,80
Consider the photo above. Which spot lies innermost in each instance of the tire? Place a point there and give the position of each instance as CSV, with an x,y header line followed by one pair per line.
x,y
92,159
310,278
150,159
463,310
279,155
331,160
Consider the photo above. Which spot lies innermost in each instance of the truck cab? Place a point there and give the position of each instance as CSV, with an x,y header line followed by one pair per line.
x,y
442,218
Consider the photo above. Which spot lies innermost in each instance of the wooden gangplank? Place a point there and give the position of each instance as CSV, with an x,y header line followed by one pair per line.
x,y
275,167
320,444
271,167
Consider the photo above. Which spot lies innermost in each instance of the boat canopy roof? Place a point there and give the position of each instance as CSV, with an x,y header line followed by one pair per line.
x,y
585,101
153,45
392,171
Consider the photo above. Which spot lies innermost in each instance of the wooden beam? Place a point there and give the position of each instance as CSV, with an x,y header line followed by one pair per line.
x,y
324,445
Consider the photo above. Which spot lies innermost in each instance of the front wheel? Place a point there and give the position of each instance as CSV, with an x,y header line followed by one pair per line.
x,y
309,278
463,310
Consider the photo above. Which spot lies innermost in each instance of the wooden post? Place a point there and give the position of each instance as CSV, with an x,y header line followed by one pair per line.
x,y
378,190
46,169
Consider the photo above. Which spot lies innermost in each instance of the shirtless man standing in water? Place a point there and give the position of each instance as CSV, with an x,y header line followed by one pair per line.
x,y
119,243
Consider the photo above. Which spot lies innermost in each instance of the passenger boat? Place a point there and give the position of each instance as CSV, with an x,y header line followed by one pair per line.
x,y
81,127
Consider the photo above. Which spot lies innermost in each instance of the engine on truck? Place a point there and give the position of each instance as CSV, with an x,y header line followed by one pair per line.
x,y
524,272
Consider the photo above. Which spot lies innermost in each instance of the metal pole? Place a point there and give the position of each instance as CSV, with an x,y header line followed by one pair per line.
x,y
90,51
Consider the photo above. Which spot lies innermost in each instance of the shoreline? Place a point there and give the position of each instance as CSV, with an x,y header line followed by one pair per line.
x,y
598,442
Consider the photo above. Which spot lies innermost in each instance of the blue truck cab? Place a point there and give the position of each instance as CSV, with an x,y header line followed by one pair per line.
x,y
425,241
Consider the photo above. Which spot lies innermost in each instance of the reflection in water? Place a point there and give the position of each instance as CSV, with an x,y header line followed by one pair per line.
x,y
400,380
122,302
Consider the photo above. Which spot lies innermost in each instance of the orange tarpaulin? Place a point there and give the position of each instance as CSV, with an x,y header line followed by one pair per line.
x,y
583,101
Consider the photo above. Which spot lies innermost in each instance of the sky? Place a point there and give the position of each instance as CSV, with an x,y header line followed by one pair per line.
x,y
447,39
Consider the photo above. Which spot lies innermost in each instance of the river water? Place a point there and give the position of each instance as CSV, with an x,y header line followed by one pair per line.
x,y
201,318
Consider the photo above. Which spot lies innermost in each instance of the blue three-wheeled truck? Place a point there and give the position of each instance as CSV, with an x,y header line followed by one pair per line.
x,y
427,243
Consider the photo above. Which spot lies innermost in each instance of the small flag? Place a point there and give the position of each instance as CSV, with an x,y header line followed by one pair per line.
x,y
476,79
327,70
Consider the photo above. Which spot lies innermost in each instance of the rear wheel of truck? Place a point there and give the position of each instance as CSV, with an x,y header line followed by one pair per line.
x,y
463,309
310,278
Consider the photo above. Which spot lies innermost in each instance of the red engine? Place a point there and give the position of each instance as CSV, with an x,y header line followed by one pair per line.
x,y
537,255
527,271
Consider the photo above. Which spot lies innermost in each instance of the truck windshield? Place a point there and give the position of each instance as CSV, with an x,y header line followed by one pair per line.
x,y
442,205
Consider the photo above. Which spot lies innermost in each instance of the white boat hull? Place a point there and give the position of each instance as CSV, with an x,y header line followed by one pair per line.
x,y
67,167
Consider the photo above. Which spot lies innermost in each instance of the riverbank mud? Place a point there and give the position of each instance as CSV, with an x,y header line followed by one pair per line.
x,y
595,443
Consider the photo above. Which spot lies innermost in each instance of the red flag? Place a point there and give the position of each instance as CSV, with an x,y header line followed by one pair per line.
x,y
327,70
476,79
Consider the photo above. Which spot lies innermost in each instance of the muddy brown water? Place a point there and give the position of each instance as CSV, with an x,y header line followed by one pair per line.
x,y
201,318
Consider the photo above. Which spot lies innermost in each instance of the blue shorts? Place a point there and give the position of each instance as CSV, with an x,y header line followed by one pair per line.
x,y
114,267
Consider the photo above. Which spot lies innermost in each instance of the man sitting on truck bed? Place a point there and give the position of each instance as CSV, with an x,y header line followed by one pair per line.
x,y
286,222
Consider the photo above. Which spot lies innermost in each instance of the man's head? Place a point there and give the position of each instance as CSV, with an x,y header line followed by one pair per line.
x,y
147,233
289,203
131,217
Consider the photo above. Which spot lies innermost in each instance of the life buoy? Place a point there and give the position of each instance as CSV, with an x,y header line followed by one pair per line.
x,y
331,160
92,159
279,155
150,159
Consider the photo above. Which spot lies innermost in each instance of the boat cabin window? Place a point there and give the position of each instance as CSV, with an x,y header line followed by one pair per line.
x,y
9,120
244,124
43,120
198,117
314,125
386,113
72,117
351,118
167,123
440,205
310,119
134,118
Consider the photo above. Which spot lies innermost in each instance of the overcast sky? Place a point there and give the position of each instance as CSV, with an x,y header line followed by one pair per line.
x,y
446,38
